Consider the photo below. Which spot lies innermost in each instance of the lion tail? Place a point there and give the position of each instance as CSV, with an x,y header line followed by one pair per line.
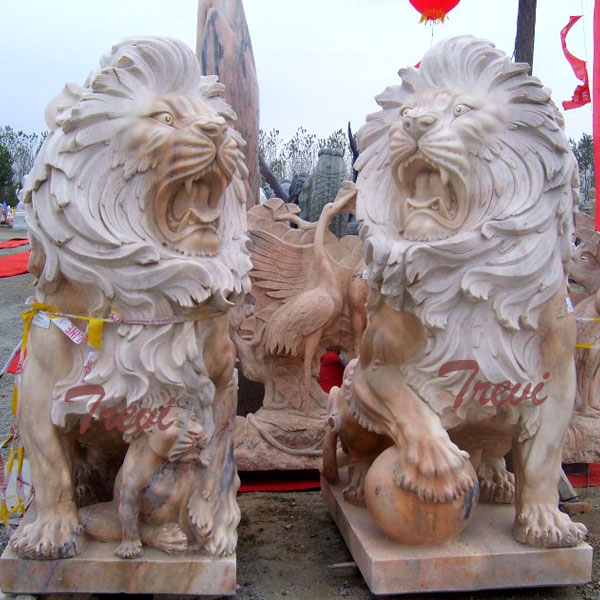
x,y
330,465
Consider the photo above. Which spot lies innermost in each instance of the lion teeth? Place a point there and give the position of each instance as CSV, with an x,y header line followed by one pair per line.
x,y
444,176
188,185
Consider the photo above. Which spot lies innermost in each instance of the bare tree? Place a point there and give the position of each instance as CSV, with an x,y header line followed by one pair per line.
x,y
270,178
525,32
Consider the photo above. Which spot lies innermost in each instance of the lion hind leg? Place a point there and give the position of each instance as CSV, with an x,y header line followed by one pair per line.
x,y
497,484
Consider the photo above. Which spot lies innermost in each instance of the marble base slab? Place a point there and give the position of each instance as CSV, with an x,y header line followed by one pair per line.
x,y
484,556
98,570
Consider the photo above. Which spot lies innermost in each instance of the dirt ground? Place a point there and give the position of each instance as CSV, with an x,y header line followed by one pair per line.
x,y
288,543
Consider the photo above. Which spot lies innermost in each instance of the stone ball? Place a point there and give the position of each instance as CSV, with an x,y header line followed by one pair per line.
x,y
406,518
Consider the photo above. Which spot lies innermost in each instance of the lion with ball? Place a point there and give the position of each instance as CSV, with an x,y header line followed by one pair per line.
x,y
465,193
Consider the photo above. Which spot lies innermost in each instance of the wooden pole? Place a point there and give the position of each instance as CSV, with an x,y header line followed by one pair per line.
x,y
525,32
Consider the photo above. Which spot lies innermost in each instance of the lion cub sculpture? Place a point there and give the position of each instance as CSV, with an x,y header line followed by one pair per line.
x,y
136,215
465,197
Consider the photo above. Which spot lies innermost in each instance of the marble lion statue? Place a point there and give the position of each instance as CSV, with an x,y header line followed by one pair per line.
x,y
465,192
136,215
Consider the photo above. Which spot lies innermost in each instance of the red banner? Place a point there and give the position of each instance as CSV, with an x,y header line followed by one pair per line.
x,y
596,103
581,95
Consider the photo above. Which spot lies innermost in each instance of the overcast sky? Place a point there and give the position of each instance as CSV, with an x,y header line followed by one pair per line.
x,y
319,62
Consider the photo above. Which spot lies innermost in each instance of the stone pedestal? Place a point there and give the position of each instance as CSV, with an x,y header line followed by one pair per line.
x,y
484,556
98,570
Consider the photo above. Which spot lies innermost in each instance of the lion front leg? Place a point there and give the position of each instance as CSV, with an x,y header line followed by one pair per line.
x,y
55,532
213,509
538,521
429,462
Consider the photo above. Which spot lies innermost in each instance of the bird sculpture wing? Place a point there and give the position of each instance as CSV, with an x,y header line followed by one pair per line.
x,y
282,269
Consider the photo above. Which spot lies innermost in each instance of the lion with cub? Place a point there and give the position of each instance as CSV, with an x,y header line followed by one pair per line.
x,y
136,216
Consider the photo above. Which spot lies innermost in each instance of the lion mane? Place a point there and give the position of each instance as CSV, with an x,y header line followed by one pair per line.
x,y
98,202
479,290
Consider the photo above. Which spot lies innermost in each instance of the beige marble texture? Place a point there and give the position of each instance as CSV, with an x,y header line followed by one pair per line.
x,y
485,556
98,570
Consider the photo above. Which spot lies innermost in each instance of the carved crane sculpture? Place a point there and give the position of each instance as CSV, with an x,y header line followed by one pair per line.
x,y
295,328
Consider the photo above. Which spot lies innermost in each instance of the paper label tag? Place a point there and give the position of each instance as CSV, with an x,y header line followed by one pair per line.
x,y
71,331
41,320
570,308
89,363
365,273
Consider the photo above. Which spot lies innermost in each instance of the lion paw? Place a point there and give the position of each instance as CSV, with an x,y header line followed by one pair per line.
x,y
355,494
496,484
202,514
435,455
547,527
129,549
170,539
442,486
435,468
222,541
57,534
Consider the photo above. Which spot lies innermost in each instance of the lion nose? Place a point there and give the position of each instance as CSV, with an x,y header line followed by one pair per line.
x,y
417,126
213,128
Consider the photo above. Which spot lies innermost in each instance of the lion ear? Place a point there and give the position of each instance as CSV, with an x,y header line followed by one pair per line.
x,y
68,97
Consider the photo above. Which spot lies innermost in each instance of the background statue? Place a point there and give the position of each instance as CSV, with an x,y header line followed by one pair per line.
x,y
308,295
584,274
322,186
585,263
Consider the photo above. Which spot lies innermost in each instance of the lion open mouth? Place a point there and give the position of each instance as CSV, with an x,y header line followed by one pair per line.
x,y
193,210
430,208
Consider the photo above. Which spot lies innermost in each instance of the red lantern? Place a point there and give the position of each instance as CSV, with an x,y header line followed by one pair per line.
x,y
434,10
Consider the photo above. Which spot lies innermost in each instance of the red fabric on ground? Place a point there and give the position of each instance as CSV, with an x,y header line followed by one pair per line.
x,y
589,479
14,243
14,264
279,481
331,372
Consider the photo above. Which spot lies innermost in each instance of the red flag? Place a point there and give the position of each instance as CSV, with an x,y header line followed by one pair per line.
x,y
596,104
13,367
581,95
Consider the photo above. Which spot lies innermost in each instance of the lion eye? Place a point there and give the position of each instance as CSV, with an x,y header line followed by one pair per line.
x,y
164,117
404,112
461,109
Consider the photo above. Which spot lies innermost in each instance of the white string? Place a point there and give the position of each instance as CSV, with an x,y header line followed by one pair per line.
x,y
583,25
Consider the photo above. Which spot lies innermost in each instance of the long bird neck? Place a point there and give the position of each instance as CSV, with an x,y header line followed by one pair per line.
x,y
320,255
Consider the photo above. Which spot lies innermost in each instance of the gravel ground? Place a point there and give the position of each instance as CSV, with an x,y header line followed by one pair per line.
x,y
288,541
